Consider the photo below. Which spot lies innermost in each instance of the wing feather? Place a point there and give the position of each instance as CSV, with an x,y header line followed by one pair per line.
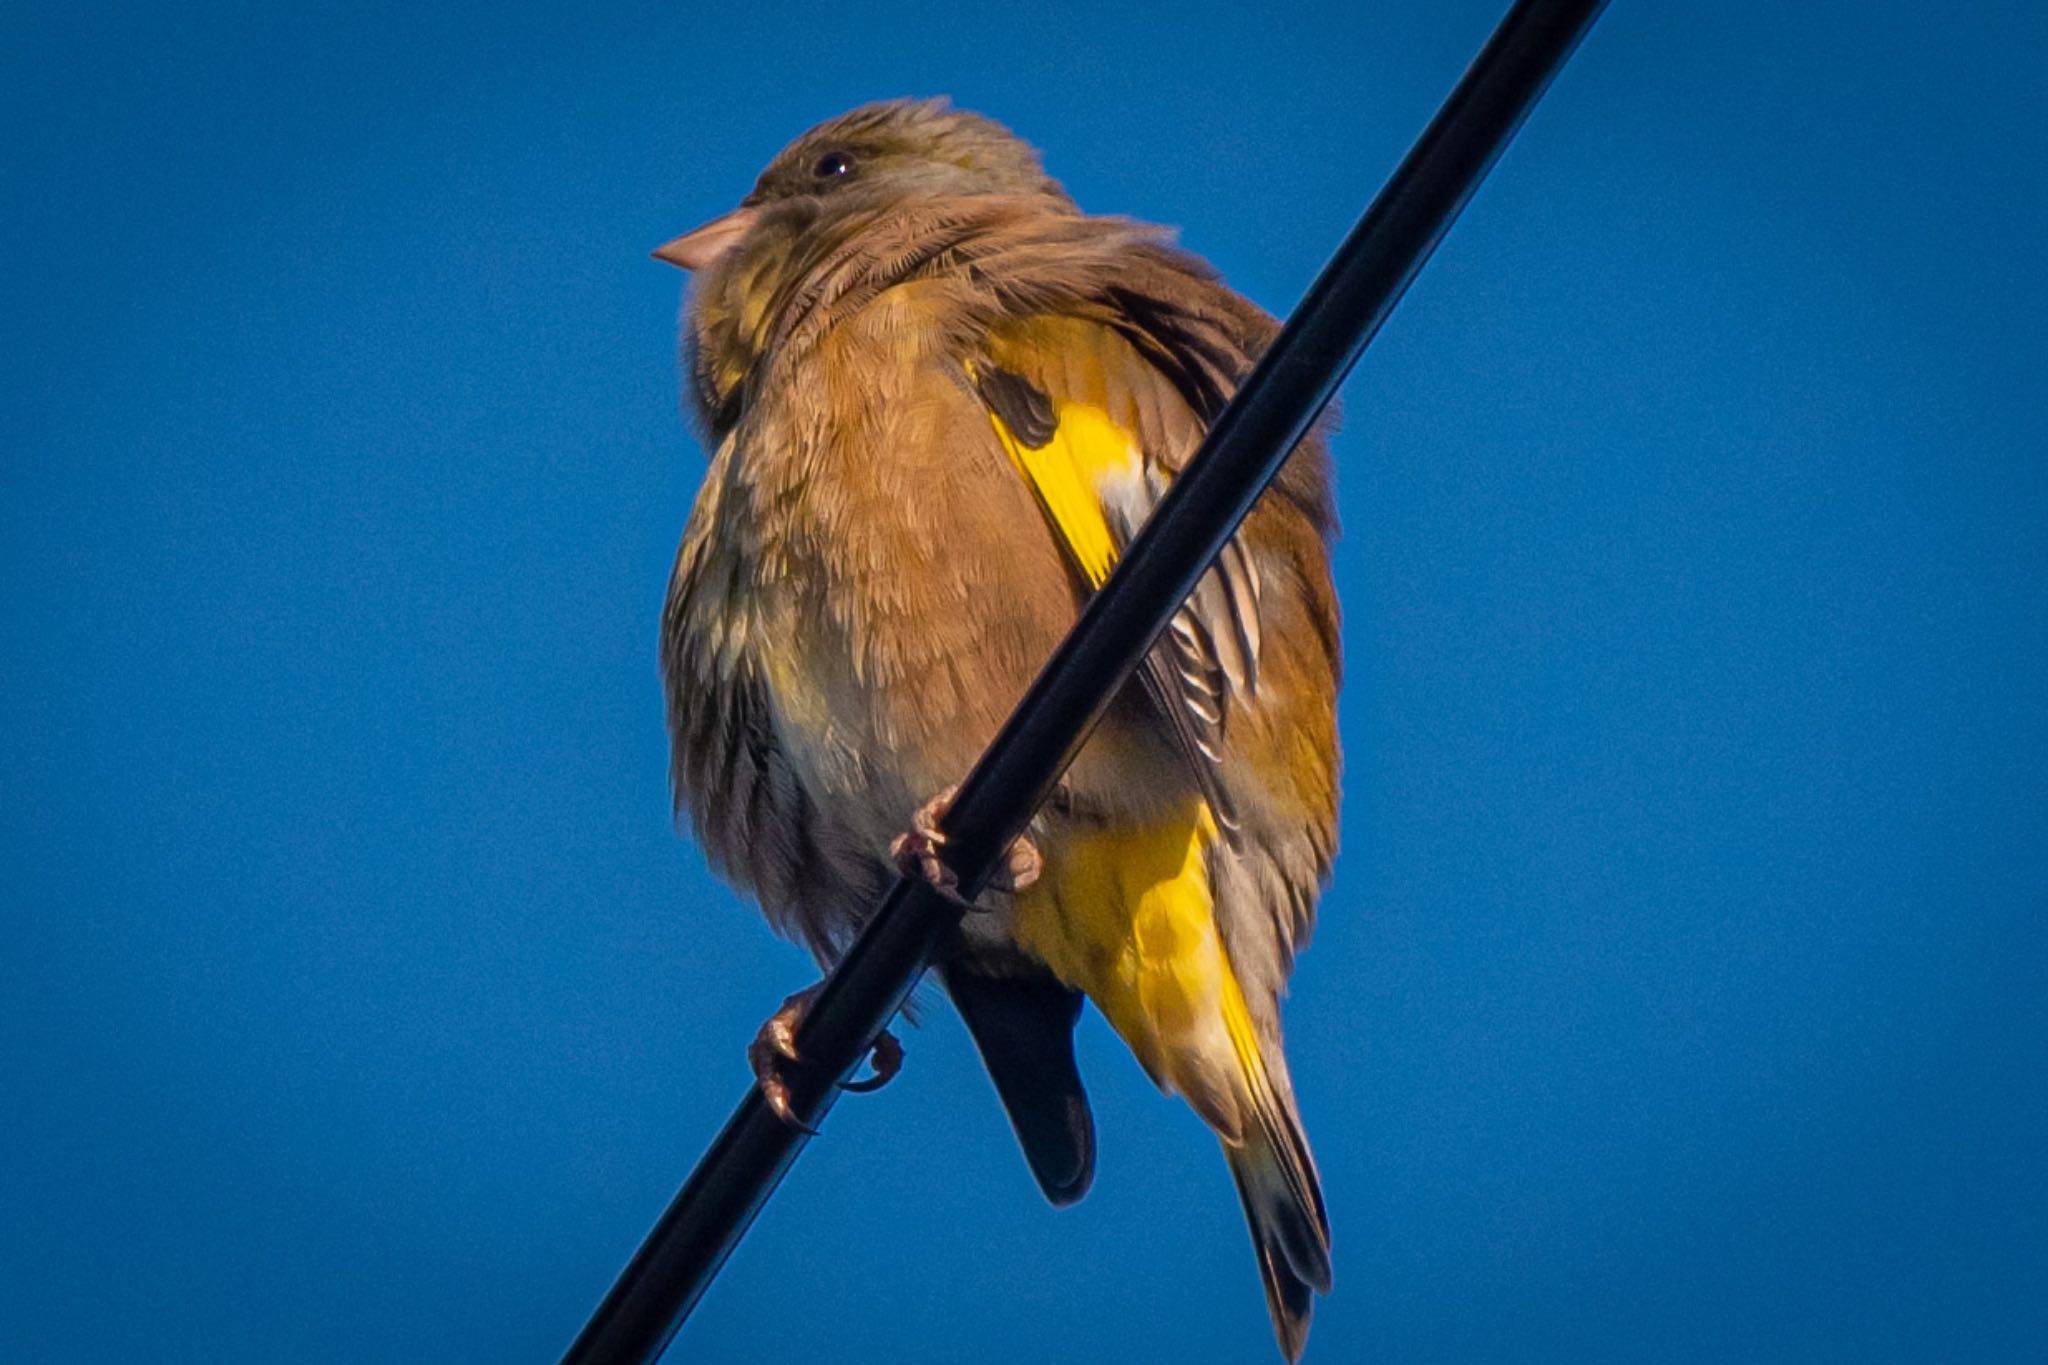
x,y
1095,483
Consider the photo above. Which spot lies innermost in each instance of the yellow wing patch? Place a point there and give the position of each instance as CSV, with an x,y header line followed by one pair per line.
x,y
1127,914
1067,473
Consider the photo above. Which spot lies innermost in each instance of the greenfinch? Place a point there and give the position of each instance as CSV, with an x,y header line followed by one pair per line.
x,y
939,401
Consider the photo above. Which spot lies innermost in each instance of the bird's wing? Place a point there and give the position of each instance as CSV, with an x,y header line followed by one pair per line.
x,y
1102,318
1097,431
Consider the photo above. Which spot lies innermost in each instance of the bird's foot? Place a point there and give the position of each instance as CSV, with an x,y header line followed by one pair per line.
x,y
918,853
773,1052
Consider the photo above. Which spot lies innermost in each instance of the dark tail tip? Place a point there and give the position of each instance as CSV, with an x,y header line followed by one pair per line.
x,y
1290,1229
1290,1300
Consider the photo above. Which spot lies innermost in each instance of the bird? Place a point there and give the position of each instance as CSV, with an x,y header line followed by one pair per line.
x,y
939,400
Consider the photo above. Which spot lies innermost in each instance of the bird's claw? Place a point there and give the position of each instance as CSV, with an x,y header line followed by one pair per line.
x,y
918,850
774,1051
886,1058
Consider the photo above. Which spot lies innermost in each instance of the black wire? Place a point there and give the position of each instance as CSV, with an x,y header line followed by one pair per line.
x,y
1244,449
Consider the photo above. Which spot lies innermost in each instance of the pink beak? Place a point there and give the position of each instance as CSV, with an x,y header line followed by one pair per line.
x,y
700,247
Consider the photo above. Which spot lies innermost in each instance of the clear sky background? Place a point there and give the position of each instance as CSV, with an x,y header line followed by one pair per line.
x,y
1683,990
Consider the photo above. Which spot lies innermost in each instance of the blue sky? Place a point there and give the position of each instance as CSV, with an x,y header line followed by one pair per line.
x,y
1683,990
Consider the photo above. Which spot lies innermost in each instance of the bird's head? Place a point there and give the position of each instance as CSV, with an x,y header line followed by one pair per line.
x,y
848,167
819,193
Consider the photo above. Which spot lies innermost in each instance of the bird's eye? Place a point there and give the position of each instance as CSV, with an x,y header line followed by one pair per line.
x,y
833,166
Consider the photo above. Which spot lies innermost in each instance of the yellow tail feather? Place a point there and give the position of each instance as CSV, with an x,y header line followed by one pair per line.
x,y
1127,915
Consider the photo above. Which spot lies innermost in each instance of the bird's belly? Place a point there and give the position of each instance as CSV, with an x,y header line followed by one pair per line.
x,y
888,680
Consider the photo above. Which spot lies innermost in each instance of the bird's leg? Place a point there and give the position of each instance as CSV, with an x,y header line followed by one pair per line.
x,y
917,849
774,1050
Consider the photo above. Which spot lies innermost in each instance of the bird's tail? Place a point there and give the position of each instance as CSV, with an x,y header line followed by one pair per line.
x,y
1277,1183
1128,915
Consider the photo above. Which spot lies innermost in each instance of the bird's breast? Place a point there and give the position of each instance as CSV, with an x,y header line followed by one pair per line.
x,y
903,585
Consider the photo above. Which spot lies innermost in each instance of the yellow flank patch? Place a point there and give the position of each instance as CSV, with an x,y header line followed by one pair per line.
x,y
1067,472
1127,916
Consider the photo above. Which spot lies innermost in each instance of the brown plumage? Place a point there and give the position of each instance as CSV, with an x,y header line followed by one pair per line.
x,y
939,400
